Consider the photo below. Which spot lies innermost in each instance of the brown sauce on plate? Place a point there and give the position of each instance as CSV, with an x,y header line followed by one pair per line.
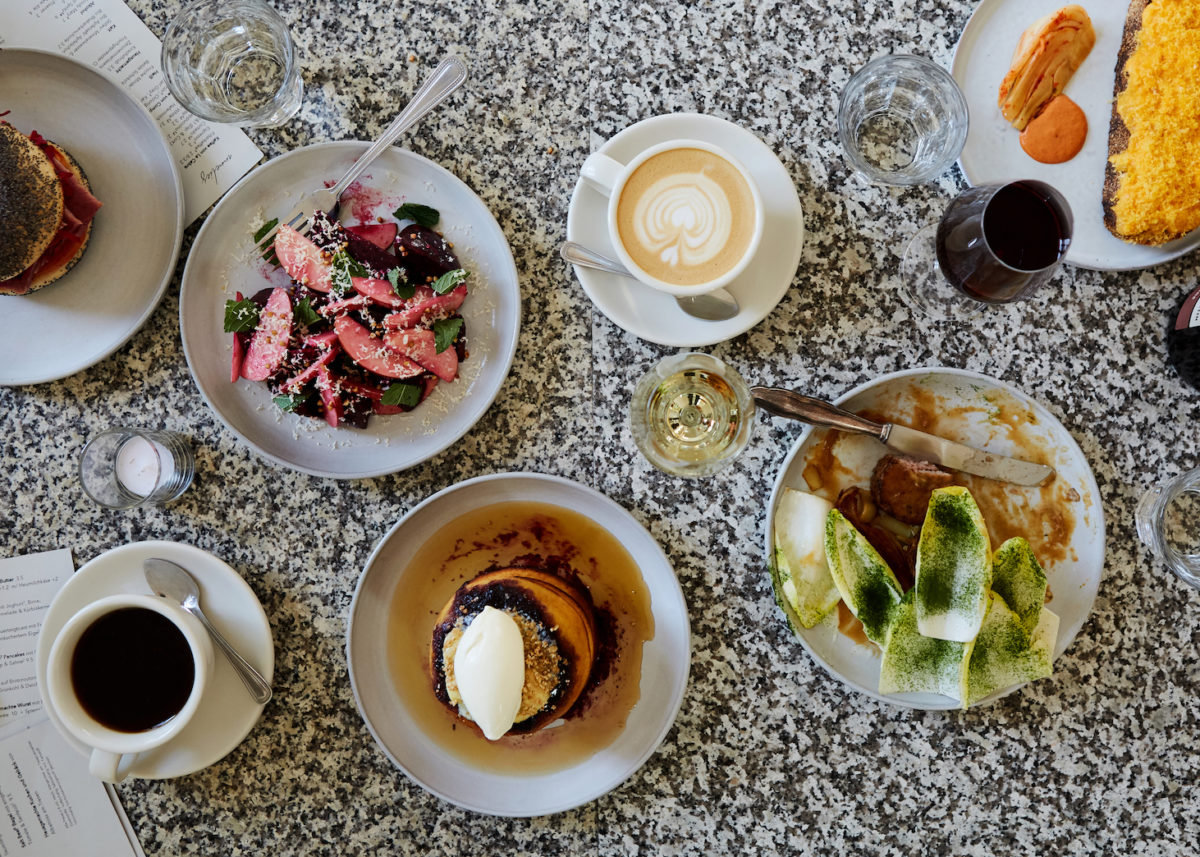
x,y
529,534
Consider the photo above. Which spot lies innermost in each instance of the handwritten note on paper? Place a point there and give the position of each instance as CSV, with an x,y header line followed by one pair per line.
x,y
108,36
27,586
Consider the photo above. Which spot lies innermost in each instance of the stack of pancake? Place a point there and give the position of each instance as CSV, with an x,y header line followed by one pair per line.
x,y
556,619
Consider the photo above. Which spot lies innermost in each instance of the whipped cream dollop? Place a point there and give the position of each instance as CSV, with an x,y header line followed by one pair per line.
x,y
685,219
489,669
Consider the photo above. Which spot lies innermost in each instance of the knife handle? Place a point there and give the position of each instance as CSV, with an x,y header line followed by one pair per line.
x,y
785,403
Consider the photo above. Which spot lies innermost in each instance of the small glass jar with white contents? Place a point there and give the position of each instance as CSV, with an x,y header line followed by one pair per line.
x,y
122,468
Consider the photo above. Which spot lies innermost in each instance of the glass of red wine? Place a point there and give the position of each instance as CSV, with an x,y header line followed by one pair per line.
x,y
996,243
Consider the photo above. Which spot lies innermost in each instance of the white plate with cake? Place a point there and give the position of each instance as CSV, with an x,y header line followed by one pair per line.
x,y
107,294
534,547
1063,520
992,151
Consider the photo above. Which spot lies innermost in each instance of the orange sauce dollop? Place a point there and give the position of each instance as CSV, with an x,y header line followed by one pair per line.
x,y
1057,133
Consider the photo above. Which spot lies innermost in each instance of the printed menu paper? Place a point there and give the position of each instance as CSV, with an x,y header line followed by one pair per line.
x,y
27,586
108,36
50,805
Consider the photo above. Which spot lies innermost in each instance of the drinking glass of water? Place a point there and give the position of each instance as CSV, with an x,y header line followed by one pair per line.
x,y
122,468
233,61
1168,522
902,120
691,415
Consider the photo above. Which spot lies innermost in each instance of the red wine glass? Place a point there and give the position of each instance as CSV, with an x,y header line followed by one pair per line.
x,y
996,243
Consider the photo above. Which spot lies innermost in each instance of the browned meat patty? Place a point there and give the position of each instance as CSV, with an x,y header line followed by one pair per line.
x,y
901,486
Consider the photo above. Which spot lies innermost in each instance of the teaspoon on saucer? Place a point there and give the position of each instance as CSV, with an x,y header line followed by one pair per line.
x,y
717,305
170,580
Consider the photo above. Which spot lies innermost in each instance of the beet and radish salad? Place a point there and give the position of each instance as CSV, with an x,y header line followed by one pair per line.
x,y
369,324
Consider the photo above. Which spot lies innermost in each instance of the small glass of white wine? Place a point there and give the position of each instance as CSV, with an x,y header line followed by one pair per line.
x,y
691,415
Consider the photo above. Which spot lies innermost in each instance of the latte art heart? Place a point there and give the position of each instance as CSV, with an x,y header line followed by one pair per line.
x,y
684,219
686,216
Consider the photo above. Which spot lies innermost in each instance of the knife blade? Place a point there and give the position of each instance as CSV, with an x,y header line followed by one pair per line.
x,y
918,444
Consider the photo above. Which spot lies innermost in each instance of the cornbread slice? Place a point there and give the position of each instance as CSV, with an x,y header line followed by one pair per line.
x,y
1151,184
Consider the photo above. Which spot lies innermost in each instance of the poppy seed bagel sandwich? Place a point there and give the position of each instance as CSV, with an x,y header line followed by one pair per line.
x,y
46,211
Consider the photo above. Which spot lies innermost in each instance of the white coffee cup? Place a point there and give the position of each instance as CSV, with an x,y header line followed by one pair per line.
x,y
113,749
684,219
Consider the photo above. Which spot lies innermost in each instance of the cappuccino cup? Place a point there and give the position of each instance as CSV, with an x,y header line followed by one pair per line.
x,y
684,216
125,675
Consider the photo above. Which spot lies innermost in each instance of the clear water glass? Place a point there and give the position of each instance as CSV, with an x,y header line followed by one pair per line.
x,y
691,415
1168,522
233,61
902,120
122,468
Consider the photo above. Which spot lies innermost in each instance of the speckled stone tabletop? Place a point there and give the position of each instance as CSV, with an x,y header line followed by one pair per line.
x,y
769,754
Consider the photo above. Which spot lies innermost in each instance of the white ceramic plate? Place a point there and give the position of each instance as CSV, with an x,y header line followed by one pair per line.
x,y
227,713
665,658
108,295
992,152
222,262
655,316
966,402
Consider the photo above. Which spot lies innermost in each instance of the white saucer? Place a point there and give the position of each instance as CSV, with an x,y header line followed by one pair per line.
x,y
654,315
227,713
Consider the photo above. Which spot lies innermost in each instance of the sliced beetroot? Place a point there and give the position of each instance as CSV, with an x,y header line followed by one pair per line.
x,y
425,253
426,307
420,344
379,261
239,356
382,235
378,291
371,353
302,259
268,349
332,402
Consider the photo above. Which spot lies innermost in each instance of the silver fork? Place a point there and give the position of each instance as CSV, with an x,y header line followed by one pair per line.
x,y
444,80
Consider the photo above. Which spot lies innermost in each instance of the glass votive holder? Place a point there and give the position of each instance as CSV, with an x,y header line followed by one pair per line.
x,y
1168,522
122,468
902,120
233,61
691,415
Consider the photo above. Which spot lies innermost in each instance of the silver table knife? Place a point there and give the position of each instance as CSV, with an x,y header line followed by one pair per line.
x,y
918,444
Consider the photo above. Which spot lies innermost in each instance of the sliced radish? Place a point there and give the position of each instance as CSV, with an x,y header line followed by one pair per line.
x,y
310,373
268,348
380,234
425,306
335,410
239,351
372,354
328,339
302,260
420,344
379,291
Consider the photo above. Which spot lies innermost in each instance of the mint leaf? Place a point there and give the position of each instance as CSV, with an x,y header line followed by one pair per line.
x,y
240,316
290,403
447,281
345,266
405,395
265,230
445,331
403,290
421,214
305,314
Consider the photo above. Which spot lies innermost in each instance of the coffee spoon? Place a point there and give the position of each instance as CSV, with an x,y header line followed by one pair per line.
x,y
170,580
716,305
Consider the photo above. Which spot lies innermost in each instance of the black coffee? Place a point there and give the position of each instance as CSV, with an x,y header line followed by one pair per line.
x,y
132,669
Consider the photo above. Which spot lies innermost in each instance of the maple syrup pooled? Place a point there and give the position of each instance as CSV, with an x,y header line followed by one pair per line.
x,y
547,538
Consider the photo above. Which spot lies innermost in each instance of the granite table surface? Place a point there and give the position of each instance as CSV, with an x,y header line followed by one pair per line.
x,y
769,754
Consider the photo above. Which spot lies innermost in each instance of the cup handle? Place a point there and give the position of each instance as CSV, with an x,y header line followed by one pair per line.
x,y
601,172
103,765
